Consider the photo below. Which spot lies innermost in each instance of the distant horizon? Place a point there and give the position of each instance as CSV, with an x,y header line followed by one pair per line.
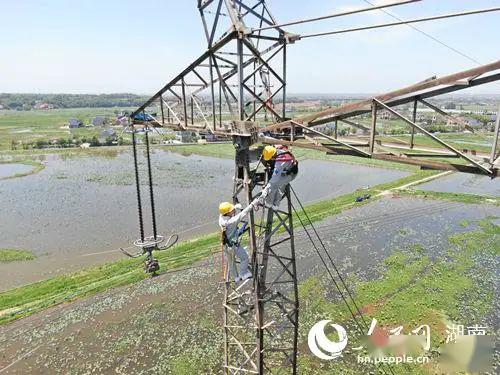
x,y
463,93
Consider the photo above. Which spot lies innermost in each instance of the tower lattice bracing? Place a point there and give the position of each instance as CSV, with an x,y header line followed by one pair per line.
x,y
237,88
261,314
240,76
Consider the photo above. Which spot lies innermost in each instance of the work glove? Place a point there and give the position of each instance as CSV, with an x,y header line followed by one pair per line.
x,y
264,193
238,206
255,202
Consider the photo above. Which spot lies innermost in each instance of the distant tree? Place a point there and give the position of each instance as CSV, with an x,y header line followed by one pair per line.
x,y
94,142
41,144
109,141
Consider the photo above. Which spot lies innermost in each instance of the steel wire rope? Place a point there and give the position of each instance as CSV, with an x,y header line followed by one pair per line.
x,y
404,22
463,54
137,185
328,255
358,326
151,195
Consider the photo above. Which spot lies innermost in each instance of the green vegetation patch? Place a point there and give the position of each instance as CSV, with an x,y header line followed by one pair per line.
x,y
226,151
455,197
37,167
412,289
13,255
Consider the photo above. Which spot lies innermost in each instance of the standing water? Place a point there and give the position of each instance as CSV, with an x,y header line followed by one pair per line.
x,y
80,207
12,169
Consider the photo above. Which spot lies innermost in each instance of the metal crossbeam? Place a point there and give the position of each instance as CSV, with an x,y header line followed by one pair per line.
x,y
443,143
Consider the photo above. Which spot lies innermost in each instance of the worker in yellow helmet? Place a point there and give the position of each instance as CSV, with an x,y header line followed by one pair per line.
x,y
283,167
230,218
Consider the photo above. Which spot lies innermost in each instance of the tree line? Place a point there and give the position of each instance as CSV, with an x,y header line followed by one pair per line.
x,y
28,101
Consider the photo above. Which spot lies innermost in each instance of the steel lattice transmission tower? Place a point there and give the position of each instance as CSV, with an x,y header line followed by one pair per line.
x,y
238,81
260,315
240,76
249,71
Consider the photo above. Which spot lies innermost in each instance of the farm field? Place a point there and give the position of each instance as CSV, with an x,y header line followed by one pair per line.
x,y
46,125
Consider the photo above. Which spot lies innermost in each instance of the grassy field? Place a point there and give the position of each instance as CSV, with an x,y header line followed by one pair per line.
x,y
13,255
227,151
31,126
477,141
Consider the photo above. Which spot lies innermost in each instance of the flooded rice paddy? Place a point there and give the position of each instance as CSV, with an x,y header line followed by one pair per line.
x,y
8,170
165,315
464,183
78,211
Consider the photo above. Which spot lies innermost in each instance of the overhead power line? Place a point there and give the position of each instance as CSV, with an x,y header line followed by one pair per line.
x,y
428,35
415,20
340,14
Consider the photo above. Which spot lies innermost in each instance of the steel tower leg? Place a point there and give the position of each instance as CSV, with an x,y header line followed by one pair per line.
x,y
278,292
261,315
240,321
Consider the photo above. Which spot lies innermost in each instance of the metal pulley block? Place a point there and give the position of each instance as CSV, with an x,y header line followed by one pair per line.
x,y
152,266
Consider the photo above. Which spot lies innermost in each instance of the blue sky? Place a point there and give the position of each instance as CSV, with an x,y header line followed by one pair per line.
x,y
137,46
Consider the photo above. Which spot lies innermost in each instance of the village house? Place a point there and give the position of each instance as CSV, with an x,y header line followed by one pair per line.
x,y
467,120
98,121
492,121
107,134
385,115
42,106
75,123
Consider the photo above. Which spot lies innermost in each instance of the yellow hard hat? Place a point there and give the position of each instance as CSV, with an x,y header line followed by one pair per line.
x,y
225,208
269,152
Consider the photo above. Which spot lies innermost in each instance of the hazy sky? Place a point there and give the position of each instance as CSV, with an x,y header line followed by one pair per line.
x,y
136,46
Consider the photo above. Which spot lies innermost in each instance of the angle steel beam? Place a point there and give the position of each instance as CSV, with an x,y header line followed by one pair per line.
x,y
408,99
189,69
397,94
312,130
443,143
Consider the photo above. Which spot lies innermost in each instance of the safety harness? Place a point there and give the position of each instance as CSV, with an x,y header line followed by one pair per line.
x,y
285,156
233,239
